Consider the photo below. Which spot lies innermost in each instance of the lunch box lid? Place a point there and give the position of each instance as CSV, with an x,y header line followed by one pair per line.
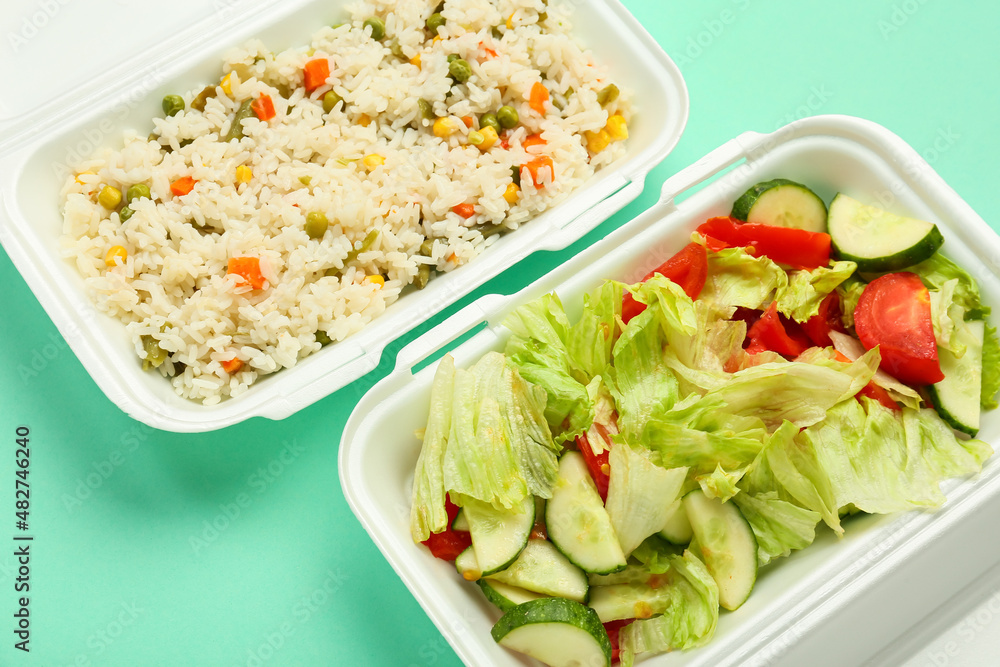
x,y
813,585
41,137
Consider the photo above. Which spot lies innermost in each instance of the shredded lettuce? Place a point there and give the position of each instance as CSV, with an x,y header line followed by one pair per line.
x,y
593,336
640,495
800,300
852,348
427,511
849,292
720,483
736,278
937,270
779,526
991,369
689,620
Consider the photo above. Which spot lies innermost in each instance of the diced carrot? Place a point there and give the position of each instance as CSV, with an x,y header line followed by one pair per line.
x,y
465,210
490,53
249,269
538,97
182,186
533,140
536,168
263,107
233,365
467,120
316,71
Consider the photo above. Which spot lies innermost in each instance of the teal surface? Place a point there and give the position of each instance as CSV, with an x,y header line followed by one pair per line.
x,y
237,547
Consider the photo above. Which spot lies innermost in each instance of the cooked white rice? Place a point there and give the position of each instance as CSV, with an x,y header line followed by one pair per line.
x,y
173,290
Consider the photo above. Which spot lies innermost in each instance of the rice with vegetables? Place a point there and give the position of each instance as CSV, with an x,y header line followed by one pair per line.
x,y
290,203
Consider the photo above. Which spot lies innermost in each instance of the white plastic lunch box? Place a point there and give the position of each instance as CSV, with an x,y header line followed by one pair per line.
x,y
797,595
35,141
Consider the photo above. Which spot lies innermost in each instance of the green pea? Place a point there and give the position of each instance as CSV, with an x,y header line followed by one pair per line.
x,y
125,214
489,120
452,57
607,95
507,117
460,70
316,224
110,197
435,21
426,109
515,175
322,337
331,100
137,191
377,26
172,104
244,112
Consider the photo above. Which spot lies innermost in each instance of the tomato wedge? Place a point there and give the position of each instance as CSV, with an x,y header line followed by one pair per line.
x,y
798,248
596,463
688,268
871,390
613,628
819,326
448,544
772,332
894,312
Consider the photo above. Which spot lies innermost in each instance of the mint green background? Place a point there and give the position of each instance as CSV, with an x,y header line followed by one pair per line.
x,y
115,577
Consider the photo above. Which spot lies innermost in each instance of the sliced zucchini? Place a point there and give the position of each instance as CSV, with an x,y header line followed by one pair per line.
x,y
636,600
677,530
468,566
561,633
541,568
727,545
498,535
782,203
460,522
504,596
957,396
577,522
877,240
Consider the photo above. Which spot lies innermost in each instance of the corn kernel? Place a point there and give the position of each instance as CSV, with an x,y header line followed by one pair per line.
x,y
489,138
415,60
617,128
110,197
116,253
376,280
511,193
243,174
364,120
227,84
510,22
372,161
436,39
83,173
597,141
444,127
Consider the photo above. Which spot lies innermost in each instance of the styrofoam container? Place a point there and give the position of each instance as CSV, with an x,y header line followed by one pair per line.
x,y
797,594
39,144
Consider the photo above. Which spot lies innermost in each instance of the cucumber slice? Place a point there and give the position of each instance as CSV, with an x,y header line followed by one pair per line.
x,y
498,536
877,240
541,568
957,396
577,522
468,566
621,601
727,546
677,530
504,596
561,633
460,522
782,203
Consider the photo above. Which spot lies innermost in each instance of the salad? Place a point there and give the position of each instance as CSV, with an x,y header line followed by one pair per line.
x,y
611,483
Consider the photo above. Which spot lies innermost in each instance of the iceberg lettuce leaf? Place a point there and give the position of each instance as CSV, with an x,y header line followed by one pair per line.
x,y
779,526
427,510
800,300
736,278
991,369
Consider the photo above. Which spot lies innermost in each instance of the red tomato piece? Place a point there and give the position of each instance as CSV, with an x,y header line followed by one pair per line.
x,y
877,393
797,248
316,72
819,326
772,332
894,312
688,268
596,463
613,628
448,544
